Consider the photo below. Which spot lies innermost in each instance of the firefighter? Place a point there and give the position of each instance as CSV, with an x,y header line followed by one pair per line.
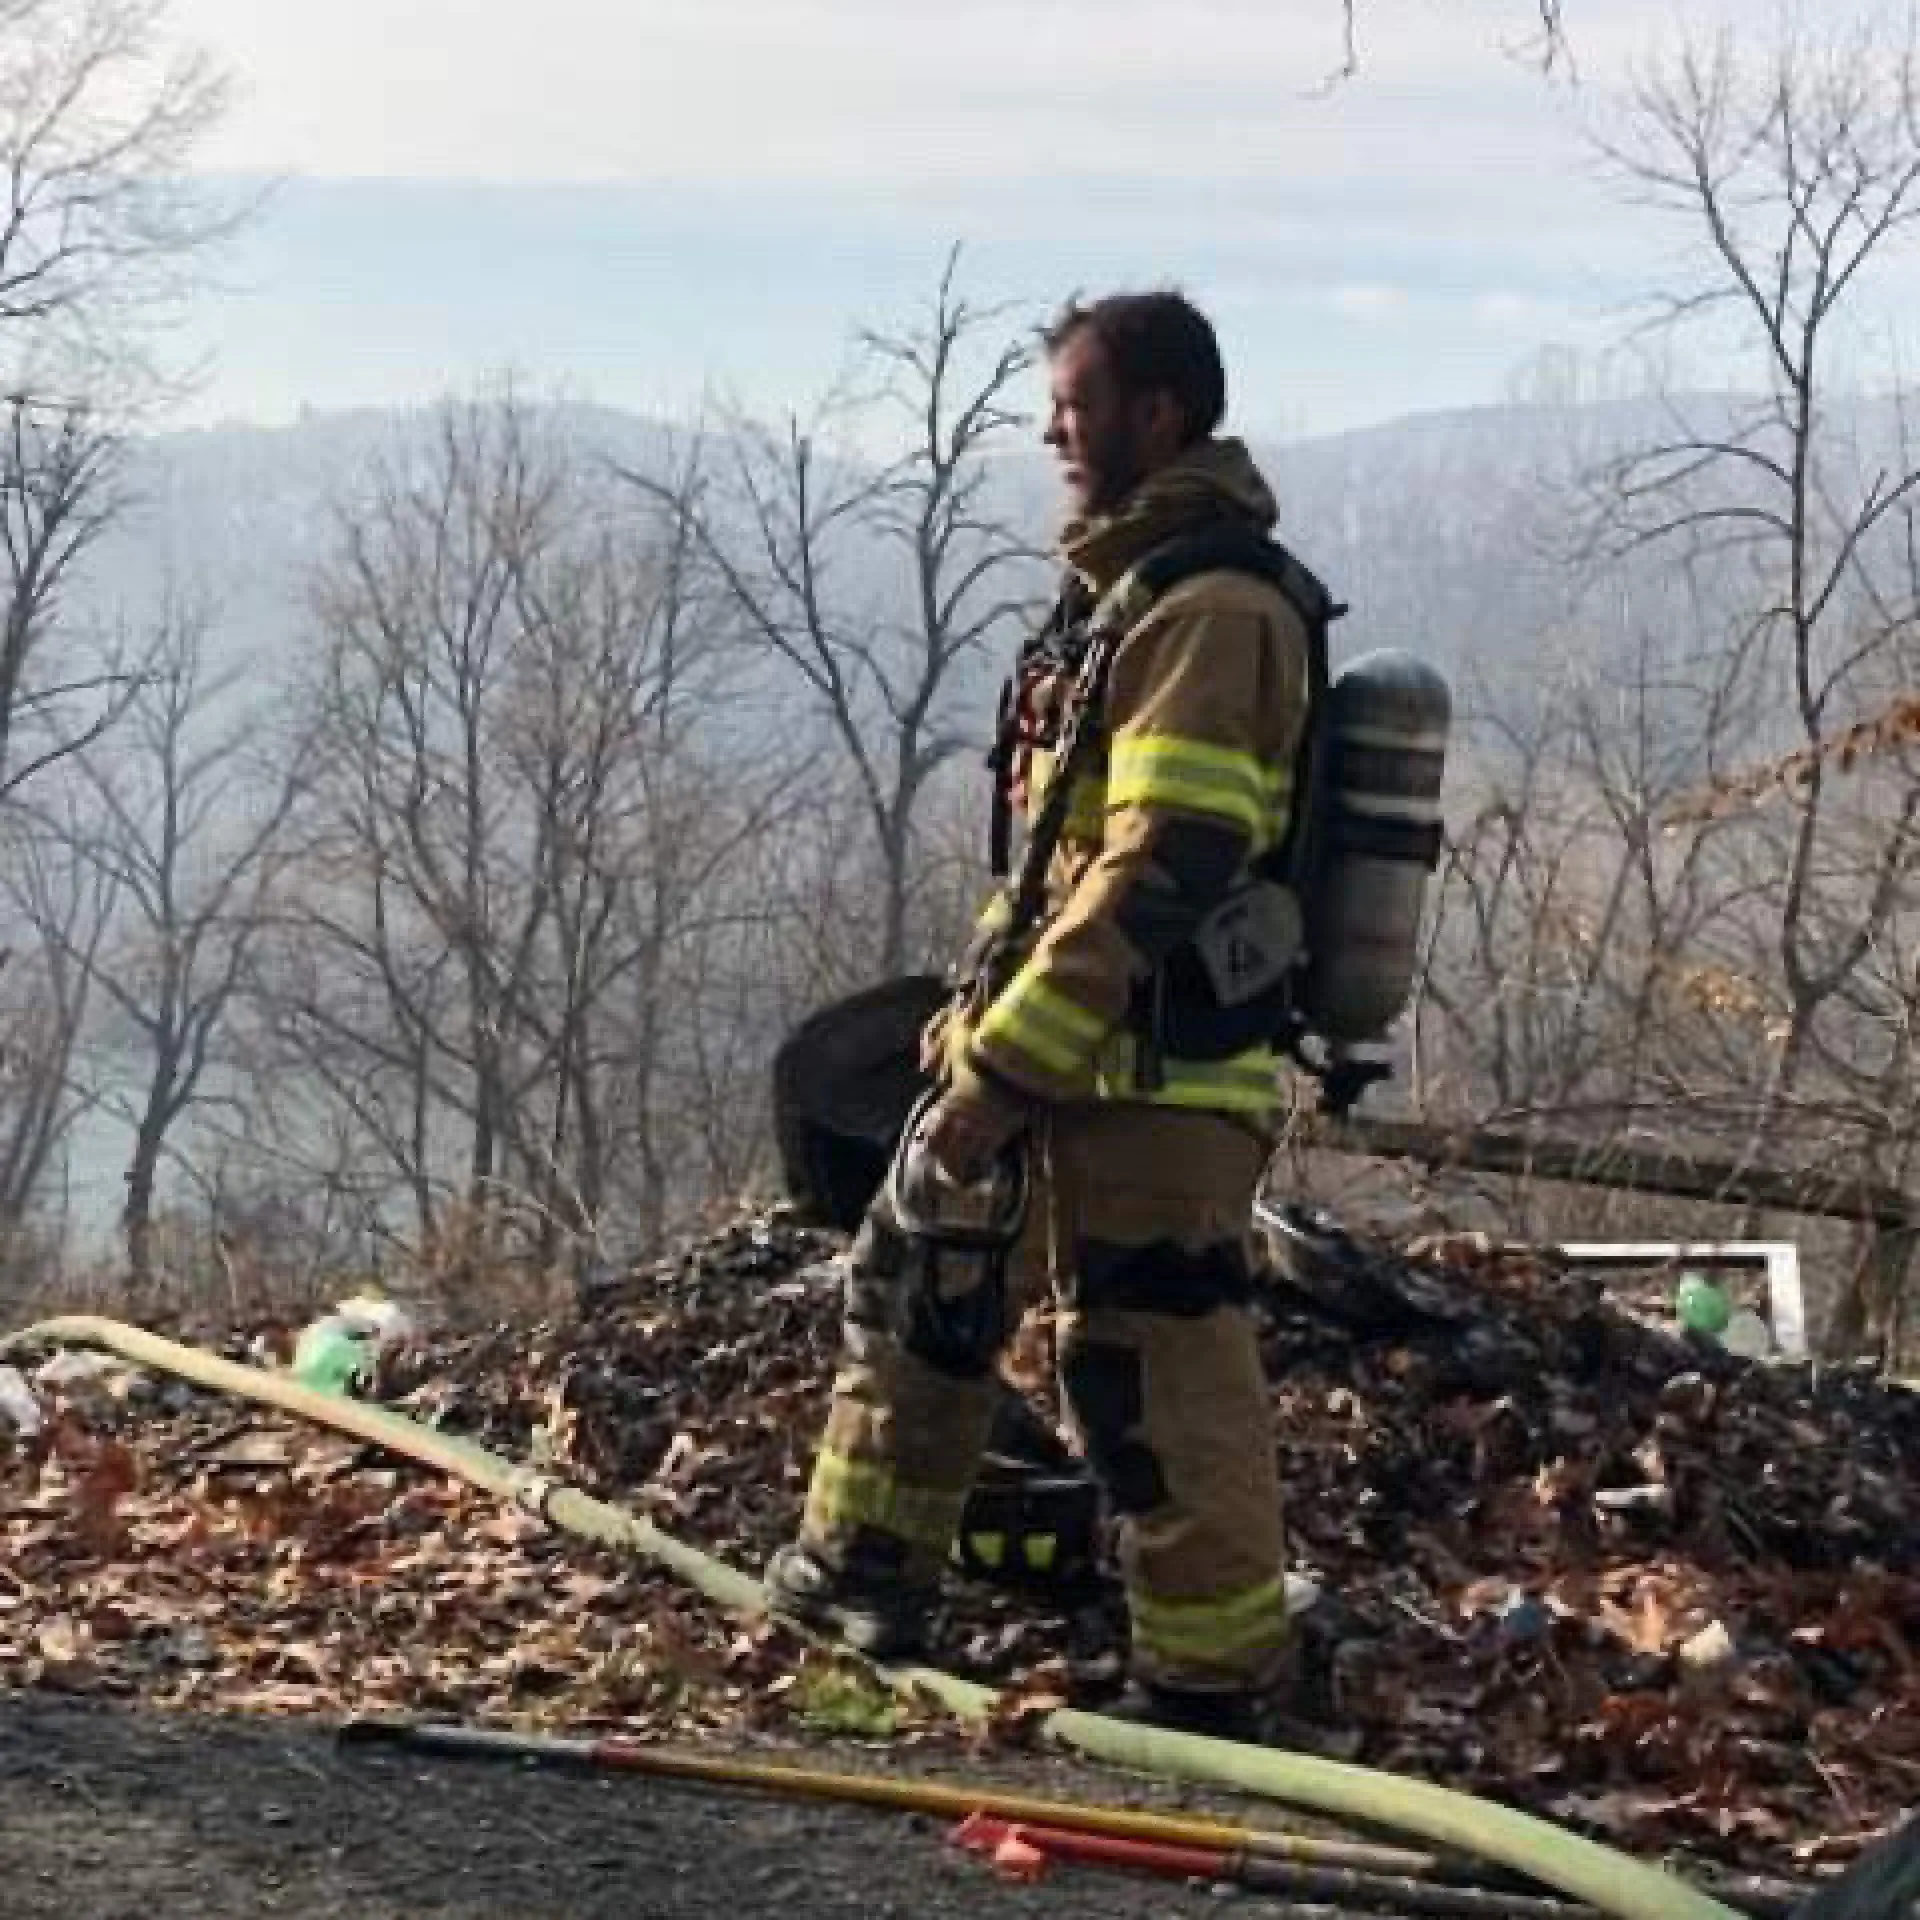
x,y
1144,1165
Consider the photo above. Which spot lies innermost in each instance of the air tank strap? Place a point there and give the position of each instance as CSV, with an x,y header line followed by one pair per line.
x,y
1417,843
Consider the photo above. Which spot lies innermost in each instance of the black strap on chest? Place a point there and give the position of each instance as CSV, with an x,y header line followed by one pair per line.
x,y
1058,642
1064,639
1086,647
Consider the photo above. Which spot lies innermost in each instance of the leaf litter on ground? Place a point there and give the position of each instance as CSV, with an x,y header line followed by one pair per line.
x,y
1571,1560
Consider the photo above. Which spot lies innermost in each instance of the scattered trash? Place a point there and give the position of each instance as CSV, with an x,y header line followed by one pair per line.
x,y
1650,1499
1700,1305
344,1352
333,1355
1747,1335
1712,1647
17,1403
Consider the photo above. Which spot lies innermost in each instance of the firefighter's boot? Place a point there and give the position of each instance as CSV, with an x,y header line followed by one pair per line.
x,y
880,1617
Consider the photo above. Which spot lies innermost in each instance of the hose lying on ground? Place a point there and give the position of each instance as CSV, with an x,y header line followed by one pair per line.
x,y
1578,1868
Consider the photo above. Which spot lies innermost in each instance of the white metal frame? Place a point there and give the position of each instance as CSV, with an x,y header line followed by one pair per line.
x,y
1778,1259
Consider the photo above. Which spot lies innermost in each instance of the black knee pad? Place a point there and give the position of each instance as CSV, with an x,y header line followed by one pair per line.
x,y
1106,1393
954,1320
945,1305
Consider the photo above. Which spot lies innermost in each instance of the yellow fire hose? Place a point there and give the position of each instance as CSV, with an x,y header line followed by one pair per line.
x,y
1578,1868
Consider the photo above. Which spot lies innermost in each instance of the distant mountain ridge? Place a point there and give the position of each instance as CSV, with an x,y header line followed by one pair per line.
x,y
1445,531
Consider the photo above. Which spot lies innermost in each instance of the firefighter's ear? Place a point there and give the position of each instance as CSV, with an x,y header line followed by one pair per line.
x,y
1163,425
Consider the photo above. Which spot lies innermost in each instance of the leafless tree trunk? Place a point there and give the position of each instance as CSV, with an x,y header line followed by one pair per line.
x,y
59,910
101,226
193,804
56,496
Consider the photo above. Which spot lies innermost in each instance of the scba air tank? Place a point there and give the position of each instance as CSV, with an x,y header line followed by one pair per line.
x,y
1385,748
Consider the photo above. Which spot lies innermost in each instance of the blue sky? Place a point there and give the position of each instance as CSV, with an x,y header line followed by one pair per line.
x,y
634,201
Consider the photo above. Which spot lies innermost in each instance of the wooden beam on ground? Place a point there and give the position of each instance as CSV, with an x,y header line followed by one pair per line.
x,y
1635,1169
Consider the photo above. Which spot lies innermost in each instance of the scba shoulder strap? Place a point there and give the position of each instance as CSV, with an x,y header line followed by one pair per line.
x,y
1074,623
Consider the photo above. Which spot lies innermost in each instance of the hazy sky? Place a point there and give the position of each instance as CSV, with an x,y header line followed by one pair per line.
x,y
635,199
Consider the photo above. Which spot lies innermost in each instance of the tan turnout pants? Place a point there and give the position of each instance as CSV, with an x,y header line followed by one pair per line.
x,y
1140,1222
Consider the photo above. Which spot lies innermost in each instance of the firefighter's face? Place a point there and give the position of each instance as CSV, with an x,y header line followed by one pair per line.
x,y
1106,439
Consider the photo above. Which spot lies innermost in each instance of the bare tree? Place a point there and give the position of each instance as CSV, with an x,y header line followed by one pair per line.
x,y
1573,975
100,115
57,494
1799,176
882,587
100,228
440,901
99,118
59,910
532,797
192,808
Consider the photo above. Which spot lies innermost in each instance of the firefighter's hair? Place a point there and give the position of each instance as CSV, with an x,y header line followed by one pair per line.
x,y
1157,342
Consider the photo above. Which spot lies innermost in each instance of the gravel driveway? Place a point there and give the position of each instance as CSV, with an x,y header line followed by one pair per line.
x,y
112,1814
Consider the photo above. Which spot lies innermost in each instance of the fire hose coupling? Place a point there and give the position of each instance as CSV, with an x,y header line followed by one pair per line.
x,y
535,1492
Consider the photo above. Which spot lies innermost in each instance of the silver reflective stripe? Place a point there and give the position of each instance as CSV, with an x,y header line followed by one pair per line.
x,y
1379,806
1395,739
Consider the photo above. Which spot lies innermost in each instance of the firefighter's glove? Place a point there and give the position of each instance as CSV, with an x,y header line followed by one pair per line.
x,y
970,1123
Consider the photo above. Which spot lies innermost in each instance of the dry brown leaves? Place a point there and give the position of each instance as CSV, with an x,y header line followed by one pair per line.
x,y
1575,1565
1896,725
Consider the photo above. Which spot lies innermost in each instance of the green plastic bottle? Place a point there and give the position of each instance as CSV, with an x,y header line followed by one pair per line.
x,y
1702,1306
330,1357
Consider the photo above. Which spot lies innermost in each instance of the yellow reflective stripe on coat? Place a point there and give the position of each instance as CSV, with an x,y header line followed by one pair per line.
x,y
997,915
1159,769
1040,1021
1223,1630
1245,1083
857,1493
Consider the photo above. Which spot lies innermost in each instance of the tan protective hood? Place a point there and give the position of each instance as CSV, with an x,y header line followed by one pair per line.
x,y
1214,481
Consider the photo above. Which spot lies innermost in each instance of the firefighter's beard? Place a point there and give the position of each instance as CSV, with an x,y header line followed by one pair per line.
x,y
1110,470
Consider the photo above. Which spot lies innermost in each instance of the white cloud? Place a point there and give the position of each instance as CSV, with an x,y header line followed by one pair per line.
x,y
784,165
1505,311
1367,301
901,91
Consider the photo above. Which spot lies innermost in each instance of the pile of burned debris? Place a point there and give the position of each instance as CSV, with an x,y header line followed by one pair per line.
x,y
1568,1559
